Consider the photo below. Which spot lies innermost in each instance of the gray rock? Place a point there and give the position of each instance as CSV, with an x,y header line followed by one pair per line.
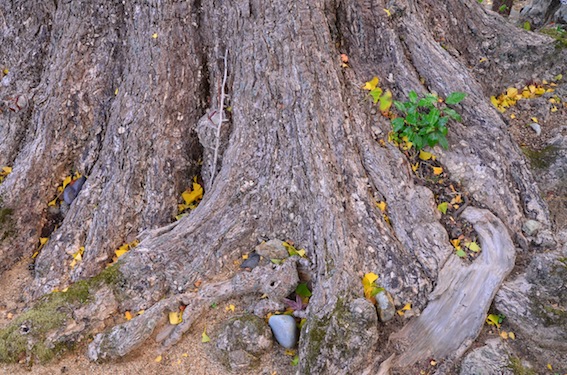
x,y
273,249
385,306
252,261
285,330
72,190
487,360
242,340
531,227
536,128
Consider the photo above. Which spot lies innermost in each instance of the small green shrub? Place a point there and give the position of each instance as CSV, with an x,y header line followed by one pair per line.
x,y
423,121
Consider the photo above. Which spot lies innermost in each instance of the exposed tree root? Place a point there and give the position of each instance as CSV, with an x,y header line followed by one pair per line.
x,y
276,282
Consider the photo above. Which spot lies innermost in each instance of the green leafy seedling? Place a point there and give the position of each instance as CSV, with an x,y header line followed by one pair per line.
x,y
423,121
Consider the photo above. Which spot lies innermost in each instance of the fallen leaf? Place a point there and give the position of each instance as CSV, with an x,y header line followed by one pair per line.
x,y
388,13
504,335
534,119
154,35
175,318
461,254
43,240
185,355
344,58
424,155
371,85
381,205
512,335
512,116
385,101
414,167
204,337
230,308
406,307
295,361
158,359
437,170
290,352
549,367
198,283
128,315
443,207
473,246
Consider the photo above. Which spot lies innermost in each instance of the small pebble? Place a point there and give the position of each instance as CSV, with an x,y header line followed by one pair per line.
x,y
285,330
531,227
536,127
252,261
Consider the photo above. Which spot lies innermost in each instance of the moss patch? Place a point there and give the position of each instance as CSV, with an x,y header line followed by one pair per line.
x,y
542,159
557,33
518,369
26,336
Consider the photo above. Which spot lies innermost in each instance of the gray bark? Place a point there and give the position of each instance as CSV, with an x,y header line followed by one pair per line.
x,y
116,91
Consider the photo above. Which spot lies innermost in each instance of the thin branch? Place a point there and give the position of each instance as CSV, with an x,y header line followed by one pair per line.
x,y
220,121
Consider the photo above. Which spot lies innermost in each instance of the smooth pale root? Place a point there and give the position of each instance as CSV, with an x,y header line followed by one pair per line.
x,y
460,302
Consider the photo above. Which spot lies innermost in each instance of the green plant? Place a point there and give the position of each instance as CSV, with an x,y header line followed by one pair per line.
x,y
423,121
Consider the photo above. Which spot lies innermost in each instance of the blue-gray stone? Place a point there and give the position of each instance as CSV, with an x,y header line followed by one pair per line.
x,y
285,330
72,190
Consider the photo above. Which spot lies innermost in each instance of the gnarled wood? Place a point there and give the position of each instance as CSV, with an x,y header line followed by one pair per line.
x,y
302,159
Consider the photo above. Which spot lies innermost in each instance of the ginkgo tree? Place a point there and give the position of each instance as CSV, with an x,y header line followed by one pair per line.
x,y
117,91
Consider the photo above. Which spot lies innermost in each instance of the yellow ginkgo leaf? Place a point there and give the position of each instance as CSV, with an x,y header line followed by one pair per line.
x,y
540,91
67,181
385,101
494,101
230,308
511,92
437,170
512,335
424,155
406,307
371,85
553,109
194,195
388,13
204,336
534,119
175,318
504,335
43,240
154,35
512,116
381,205
414,167
6,170
158,359
128,315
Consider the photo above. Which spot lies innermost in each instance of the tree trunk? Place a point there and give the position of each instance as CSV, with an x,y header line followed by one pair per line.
x,y
542,12
116,91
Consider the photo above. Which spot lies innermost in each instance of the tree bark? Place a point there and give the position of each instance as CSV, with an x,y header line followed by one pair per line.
x,y
116,91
